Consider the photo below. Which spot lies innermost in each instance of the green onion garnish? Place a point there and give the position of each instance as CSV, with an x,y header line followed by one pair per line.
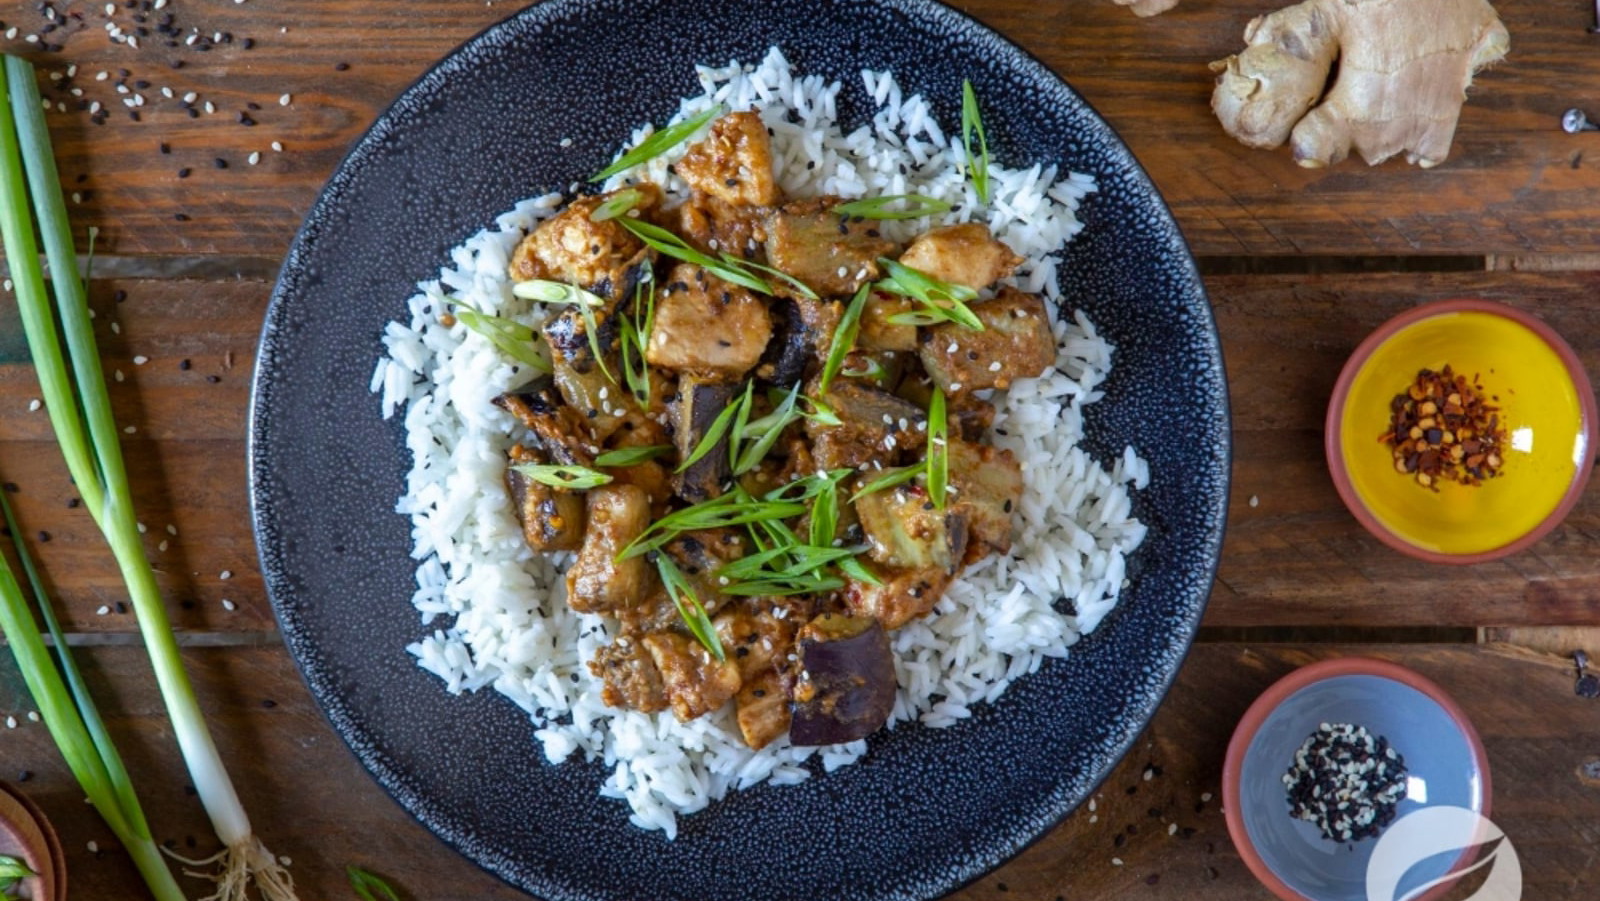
x,y
800,287
972,123
820,413
870,369
916,206
763,433
631,456
510,337
690,610
731,509
658,143
556,475
938,449
369,887
617,204
855,569
558,293
825,515
888,479
634,336
844,338
666,242
719,427
941,300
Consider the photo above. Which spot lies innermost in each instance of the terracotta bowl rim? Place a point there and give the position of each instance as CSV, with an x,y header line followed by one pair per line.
x,y
1268,702
1333,429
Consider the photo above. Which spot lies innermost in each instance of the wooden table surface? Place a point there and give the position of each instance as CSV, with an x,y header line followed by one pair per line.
x,y
1300,265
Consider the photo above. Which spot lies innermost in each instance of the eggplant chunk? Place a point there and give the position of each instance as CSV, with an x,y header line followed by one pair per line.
x,y
763,710
830,253
552,518
875,427
988,483
694,682
1016,343
964,254
733,162
847,685
561,430
707,327
905,531
629,677
698,405
584,384
790,350
902,596
597,581
570,247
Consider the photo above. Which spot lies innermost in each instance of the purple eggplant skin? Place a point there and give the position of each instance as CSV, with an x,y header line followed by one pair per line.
x,y
847,687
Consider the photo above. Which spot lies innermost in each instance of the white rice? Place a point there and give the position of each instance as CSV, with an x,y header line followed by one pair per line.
x,y
498,609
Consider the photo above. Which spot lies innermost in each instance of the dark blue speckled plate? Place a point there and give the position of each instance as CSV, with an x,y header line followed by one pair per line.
x,y
928,810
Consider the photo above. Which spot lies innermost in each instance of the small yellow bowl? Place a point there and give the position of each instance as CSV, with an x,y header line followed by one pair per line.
x,y
1547,409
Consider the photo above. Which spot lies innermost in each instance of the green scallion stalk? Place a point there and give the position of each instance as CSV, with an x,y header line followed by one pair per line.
x,y
369,887
719,427
844,338
941,300
659,143
972,125
617,204
938,449
915,207
80,412
557,475
731,269
631,456
690,610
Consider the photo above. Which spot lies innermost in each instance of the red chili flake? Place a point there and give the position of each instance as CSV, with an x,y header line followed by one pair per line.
x,y
1442,428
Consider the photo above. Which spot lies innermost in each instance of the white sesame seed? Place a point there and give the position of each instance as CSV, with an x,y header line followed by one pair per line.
x,y
101,76
566,142
254,157
285,100
160,4
117,375
116,328
843,271
131,429
225,574
11,33
1172,829
11,722
34,405
954,387
1255,501
140,360
282,858
1206,796
94,847
210,107
111,10
133,41
1149,774
94,107
162,546
952,348
229,605
1116,861
1094,818
167,93
33,39
190,97
76,92
142,528
102,611
277,146
33,716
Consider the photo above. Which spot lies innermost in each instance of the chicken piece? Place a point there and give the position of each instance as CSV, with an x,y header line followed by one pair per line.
x,y
964,254
763,710
570,247
877,332
562,431
694,682
597,581
988,483
629,676
875,427
713,226
970,417
700,554
552,518
698,405
707,327
830,253
733,162
1016,343
905,531
757,633
904,595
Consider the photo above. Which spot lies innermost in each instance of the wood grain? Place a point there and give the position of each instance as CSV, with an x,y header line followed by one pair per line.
x,y
287,764
1514,183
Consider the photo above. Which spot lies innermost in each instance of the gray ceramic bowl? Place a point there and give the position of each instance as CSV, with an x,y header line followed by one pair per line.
x,y
1444,758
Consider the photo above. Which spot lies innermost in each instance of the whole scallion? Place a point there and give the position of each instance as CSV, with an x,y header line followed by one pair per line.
x,y
80,413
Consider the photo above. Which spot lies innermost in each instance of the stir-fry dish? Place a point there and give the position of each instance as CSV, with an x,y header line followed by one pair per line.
x,y
763,433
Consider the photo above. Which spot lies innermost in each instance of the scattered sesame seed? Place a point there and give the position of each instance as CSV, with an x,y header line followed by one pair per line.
x,y
229,605
220,163
102,610
954,387
33,716
172,530
1255,501
254,157
131,429
225,574
94,847
285,100
341,67
1206,796
117,375
1116,861
34,405
190,97
11,723
142,528
1149,774
210,107
140,360
995,366
116,328
162,546
277,146
1172,828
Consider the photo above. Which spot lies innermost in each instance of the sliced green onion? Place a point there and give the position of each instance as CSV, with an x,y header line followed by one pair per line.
x,y
617,204
740,422
732,509
88,435
783,587
938,297
690,610
800,287
719,428
508,336
666,242
889,479
855,569
844,338
938,449
763,433
825,515
591,330
916,206
810,486
972,124
577,478
369,887
870,369
635,341
546,291
631,456
659,143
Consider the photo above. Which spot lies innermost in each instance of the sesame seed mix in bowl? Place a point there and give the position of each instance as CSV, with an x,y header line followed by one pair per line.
x,y
500,610
1346,782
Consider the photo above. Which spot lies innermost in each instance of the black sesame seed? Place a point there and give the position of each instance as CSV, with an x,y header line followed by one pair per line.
x,y
341,67
185,365
43,536
181,217
213,379
119,296
220,163
165,147
73,503
183,173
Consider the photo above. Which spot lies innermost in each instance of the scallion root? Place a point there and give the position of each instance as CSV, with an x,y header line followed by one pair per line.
x,y
236,867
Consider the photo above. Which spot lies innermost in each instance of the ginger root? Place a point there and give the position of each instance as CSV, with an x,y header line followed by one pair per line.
x,y
1404,69
1148,7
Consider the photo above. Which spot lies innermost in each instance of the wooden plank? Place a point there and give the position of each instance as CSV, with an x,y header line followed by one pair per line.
x,y
1296,557
1514,184
286,763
